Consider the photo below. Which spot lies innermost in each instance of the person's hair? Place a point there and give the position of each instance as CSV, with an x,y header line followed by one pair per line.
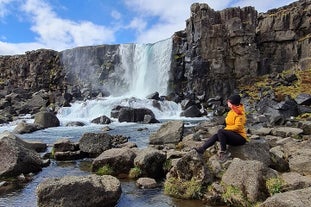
x,y
235,99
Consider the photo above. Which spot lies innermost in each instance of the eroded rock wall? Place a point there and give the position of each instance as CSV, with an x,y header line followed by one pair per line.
x,y
219,50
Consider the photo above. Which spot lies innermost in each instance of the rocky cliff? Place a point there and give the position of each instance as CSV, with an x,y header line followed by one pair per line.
x,y
216,53
220,50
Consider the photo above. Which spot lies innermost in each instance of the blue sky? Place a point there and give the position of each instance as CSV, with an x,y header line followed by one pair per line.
x,y
61,24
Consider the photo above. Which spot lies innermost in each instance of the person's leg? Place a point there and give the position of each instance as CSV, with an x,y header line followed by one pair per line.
x,y
230,138
223,137
208,143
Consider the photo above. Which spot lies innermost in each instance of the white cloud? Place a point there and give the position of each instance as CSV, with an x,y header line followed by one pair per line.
x,y
64,33
152,21
173,14
3,9
116,15
263,5
12,49
137,24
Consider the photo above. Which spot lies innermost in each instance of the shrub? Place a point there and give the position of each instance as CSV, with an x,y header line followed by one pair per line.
x,y
105,170
274,185
234,196
135,172
183,189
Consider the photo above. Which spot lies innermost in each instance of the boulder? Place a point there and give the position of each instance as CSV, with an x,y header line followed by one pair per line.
x,y
64,149
252,150
24,127
95,143
146,183
192,111
298,154
296,198
79,191
46,119
295,181
303,99
120,160
64,144
15,156
169,132
278,159
287,132
101,120
75,123
188,171
247,176
150,162
128,114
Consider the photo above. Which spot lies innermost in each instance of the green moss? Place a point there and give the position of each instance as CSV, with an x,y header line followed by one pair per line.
x,y
178,56
167,165
105,170
274,185
183,189
53,153
234,196
302,85
180,146
135,172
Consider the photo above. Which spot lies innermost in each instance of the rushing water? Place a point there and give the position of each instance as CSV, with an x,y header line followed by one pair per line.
x,y
145,69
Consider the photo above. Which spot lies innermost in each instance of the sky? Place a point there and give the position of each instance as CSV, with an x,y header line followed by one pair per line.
x,y
27,25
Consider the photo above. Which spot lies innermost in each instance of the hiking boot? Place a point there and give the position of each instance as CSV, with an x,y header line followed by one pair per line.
x,y
199,150
223,156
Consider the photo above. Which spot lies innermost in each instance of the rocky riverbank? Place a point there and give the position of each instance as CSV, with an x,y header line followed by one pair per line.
x,y
274,164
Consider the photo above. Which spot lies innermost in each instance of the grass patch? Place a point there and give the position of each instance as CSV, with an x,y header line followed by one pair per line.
x,y
234,196
274,185
135,172
167,165
183,189
105,170
266,84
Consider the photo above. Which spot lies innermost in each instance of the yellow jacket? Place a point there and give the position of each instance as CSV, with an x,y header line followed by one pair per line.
x,y
235,121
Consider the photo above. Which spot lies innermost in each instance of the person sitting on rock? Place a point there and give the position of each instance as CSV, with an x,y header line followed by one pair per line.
x,y
233,134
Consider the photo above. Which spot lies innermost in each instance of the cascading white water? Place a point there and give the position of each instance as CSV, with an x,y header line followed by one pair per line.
x,y
146,67
143,70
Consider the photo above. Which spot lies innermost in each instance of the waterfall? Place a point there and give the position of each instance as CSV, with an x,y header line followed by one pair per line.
x,y
145,67
141,70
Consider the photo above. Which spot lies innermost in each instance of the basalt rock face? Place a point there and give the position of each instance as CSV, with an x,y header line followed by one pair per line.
x,y
36,70
219,50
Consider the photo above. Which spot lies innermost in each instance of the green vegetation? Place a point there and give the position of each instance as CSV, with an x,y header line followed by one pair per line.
x,y
302,85
167,165
135,172
105,170
234,196
183,189
274,185
53,153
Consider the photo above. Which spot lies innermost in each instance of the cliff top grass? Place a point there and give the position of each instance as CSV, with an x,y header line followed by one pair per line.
x,y
266,83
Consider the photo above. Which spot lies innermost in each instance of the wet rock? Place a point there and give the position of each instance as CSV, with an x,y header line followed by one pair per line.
x,y
120,160
150,162
169,132
95,143
24,127
46,119
101,120
296,198
75,191
15,157
146,183
128,114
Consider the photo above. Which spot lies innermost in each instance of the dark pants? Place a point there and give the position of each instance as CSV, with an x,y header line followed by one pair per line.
x,y
224,137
